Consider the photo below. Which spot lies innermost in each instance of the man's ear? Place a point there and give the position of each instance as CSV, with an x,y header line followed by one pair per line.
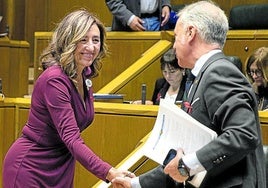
x,y
191,32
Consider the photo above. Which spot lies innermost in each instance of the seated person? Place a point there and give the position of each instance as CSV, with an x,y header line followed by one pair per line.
x,y
257,72
171,86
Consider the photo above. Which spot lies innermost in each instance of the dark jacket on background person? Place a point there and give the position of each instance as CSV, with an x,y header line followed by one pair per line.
x,y
161,87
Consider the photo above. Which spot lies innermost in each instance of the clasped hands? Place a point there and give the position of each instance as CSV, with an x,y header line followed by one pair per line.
x,y
171,169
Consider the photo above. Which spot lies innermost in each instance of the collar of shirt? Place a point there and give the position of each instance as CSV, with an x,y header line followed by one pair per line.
x,y
201,61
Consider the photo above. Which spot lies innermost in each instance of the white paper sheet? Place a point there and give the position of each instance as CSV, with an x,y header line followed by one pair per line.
x,y
173,129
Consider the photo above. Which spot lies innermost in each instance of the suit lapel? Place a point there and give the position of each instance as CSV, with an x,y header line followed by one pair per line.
x,y
212,59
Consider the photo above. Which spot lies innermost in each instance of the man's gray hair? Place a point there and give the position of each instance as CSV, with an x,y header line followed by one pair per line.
x,y
209,20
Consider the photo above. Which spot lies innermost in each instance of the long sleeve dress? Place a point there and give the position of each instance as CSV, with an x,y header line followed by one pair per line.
x,y
45,154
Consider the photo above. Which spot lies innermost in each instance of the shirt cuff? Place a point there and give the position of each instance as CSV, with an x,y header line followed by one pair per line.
x,y
192,162
130,19
135,183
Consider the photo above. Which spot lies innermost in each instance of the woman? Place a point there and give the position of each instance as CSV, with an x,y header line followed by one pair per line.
x,y
171,86
257,72
61,107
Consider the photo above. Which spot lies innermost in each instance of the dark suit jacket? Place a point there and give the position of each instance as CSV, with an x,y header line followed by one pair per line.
x,y
161,87
223,100
122,10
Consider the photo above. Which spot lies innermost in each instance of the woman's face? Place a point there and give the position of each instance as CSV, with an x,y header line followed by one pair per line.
x,y
172,76
256,74
88,48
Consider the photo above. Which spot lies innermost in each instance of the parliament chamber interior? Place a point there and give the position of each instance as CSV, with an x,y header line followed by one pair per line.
x,y
119,130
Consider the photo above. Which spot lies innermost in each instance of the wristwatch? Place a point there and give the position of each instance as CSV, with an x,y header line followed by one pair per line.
x,y
183,169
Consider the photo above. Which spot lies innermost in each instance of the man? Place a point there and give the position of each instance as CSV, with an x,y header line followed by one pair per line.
x,y
222,99
139,15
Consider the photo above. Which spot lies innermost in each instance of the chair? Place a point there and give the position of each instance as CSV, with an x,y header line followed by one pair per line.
x,y
253,16
236,61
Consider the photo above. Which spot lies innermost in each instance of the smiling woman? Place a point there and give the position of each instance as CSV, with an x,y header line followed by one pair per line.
x,y
61,108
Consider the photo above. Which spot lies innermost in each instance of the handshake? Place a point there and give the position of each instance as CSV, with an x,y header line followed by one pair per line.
x,y
173,167
122,179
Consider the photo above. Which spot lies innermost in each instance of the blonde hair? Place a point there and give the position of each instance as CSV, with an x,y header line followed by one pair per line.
x,y
64,41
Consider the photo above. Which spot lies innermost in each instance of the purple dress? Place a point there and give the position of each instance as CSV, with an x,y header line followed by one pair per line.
x,y
45,154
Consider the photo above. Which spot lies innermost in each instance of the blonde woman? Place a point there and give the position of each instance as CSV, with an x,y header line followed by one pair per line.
x,y
61,108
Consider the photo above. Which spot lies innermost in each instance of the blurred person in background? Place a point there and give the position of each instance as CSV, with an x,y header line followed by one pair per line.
x,y
257,72
139,15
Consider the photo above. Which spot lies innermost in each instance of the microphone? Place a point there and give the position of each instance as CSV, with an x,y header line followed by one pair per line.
x,y
143,93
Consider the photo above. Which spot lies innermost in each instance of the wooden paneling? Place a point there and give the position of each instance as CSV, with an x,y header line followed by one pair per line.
x,y
112,137
25,17
14,67
127,48
242,43
43,15
116,130
7,129
124,49
144,71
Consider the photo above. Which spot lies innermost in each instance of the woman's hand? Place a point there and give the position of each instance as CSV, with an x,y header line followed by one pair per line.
x,y
113,173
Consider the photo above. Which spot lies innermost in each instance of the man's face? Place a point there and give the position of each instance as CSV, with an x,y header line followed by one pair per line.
x,y
182,46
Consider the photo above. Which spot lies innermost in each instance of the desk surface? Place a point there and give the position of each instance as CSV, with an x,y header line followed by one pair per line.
x,y
100,107
115,108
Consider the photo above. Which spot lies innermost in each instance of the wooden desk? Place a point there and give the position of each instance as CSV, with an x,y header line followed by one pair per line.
x,y
116,131
138,163
264,126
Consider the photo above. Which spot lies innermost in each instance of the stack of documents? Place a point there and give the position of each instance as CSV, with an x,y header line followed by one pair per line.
x,y
174,129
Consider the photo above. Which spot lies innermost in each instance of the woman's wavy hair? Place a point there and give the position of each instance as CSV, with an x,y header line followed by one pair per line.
x,y
64,41
260,56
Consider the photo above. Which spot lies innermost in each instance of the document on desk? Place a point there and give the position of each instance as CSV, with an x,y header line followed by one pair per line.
x,y
174,129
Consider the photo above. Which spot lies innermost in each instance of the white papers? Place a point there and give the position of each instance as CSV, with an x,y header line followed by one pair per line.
x,y
175,129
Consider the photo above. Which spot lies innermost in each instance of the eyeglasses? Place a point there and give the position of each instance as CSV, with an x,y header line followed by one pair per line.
x,y
257,72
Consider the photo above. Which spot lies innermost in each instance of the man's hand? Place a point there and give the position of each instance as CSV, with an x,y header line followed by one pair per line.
x,y
172,168
121,182
165,15
136,24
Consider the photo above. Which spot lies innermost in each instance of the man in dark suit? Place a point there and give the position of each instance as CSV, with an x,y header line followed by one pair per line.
x,y
139,15
222,99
